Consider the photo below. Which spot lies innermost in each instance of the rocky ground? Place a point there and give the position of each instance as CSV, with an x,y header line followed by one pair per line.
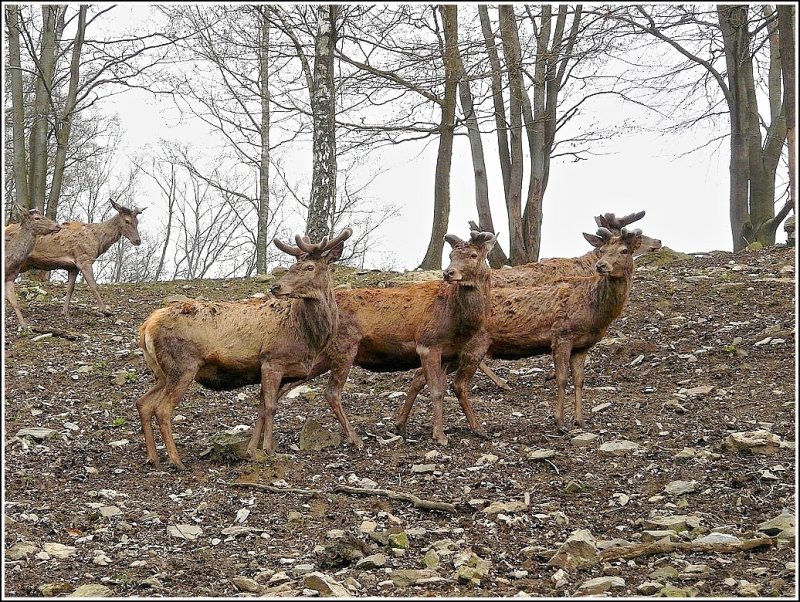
x,y
662,495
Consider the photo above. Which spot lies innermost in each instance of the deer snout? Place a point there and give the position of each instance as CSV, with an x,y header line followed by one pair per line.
x,y
451,275
603,267
276,289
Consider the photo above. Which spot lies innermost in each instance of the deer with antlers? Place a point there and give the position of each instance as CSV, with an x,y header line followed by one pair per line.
x,y
227,345
565,318
19,240
76,246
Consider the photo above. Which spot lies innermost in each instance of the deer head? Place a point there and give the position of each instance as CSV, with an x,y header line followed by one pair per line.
x,y
309,275
37,223
468,258
616,224
130,222
616,260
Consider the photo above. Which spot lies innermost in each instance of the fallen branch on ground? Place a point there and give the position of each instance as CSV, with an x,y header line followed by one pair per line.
x,y
665,547
66,334
398,495
274,489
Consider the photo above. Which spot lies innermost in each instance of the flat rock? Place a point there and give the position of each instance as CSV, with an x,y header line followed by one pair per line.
x,y
325,585
245,584
497,507
20,550
648,588
408,577
51,590
716,538
680,487
578,550
373,561
701,390
314,437
423,468
677,522
39,433
598,585
91,590
620,447
756,442
58,550
775,526
237,530
583,439
541,454
657,535
666,571
187,532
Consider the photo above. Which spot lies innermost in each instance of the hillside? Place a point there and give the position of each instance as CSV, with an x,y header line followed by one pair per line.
x,y
705,349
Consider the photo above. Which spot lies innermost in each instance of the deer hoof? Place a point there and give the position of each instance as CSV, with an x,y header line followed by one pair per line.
x,y
400,428
482,434
154,462
441,440
357,443
581,423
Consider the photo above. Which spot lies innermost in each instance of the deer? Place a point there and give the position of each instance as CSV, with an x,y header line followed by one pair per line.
x,y
76,246
549,270
420,326
231,344
19,241
565,318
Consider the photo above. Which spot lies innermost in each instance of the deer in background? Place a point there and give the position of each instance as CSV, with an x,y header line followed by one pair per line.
x,y
227,345
18,241
76,246
422,324
549,270
565,318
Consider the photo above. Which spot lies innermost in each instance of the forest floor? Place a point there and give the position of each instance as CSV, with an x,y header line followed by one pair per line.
x,y
705,349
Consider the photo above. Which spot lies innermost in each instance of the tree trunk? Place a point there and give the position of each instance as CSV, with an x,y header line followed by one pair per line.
x,y
787,46
64,125
263,196
44,86
496,256
732,21
511,49
17,109
322,205
441,192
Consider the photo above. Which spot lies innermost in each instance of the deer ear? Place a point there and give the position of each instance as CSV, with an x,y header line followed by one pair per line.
x,y
593,240
334,254
116,206
489,244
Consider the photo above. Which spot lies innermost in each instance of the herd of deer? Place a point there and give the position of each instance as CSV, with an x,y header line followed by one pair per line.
x,y
558,306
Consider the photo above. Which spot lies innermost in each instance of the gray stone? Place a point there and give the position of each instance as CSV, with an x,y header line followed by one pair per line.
x,y
748,590
716,538
325,585
423,468
657,535
583,439
578,550
59,551
236,531
431,559
408,577
620,447
701,390
598,585
38,433
774,526
541,454
20,550
680,487
187,532
756,442
677,523
313,437
666,571
91,590
109,511
696,571
371,562
51,590
245,584
497,507
648,588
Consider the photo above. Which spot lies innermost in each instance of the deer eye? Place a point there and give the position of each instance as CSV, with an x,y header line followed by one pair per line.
x,y
474,256
309,267
624,251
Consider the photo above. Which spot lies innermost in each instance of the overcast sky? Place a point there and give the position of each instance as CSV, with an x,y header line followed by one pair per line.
x,y
686,198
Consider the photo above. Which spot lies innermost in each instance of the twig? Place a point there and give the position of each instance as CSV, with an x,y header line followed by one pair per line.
x,y
72,336
553,465
398,495
665,547
274,489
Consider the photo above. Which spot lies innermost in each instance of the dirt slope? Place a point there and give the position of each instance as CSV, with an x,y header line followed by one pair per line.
x,y
705,348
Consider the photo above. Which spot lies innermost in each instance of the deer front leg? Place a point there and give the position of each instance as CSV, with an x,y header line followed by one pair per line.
x,y
88,275
435,376
146,406
11,295
333,395
270,384
577,362
72,275
561,354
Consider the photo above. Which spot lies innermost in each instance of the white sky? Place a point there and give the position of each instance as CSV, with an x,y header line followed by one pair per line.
x,y
686,199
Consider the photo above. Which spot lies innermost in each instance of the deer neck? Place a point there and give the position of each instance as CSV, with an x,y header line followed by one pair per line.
x,y
21,245
106,233
611,293
317,318
472,303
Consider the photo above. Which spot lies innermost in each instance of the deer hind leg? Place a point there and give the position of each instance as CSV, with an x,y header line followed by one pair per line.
x,y
401,417
72,275
466,370
500,382
164,408
11,295
577,362
88,275
561,355
146,406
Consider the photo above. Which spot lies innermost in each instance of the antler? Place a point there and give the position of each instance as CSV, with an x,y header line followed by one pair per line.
x,y
619,222
453,240
478,238
288,249
605,234
307,248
